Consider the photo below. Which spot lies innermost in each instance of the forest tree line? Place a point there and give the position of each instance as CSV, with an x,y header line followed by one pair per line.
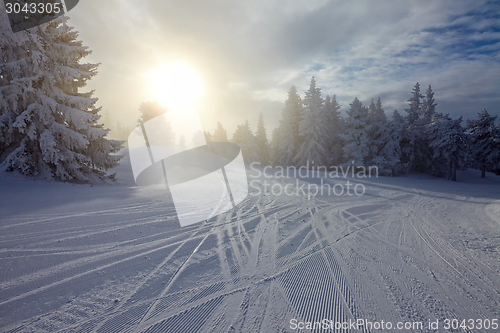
x,y
312,131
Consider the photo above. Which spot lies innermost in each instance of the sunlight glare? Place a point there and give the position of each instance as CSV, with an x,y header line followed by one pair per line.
x,y
175,85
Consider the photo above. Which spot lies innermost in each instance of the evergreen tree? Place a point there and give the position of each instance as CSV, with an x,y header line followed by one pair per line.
x,y
417,151
415,130
274,146
428,106
105,119
415,110
356,140
120,132
261,141
198,139
485,148
496,136
392,149
405,144
335,124
448,140
46,123
220,134
149,110
244,138
312,129
429,116
208,136
384,139
288,138
378,129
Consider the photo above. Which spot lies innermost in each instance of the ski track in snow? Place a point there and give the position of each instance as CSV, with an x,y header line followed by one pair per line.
x,y
397,253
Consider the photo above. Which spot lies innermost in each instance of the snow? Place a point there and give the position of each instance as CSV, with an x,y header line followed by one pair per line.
x,y
113,258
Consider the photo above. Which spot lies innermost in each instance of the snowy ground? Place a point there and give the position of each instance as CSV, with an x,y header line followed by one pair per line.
x,y
102,258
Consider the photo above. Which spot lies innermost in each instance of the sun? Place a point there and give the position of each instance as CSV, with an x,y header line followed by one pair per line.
x,y
175,85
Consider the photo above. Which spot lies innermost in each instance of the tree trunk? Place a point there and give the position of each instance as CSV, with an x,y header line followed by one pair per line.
x,y
483,171
454,171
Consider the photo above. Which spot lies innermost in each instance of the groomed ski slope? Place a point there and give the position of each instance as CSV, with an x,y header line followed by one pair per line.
x,y
112,258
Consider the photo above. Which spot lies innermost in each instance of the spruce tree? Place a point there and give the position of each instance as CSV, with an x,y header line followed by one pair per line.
x,y
429,115
448,141
335,124
149,110
392,149
208,136
312,129
220,134
274,145
356,140
485,147
120,132
262,142
384,139
47,125
378,128
419,154
428,106
244,138
414,160
496,138
288,138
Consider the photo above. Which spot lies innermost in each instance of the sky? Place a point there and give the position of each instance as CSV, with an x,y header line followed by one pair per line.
x,y
249,53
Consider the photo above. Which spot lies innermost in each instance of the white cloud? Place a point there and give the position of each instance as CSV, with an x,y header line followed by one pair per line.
x,y
250,53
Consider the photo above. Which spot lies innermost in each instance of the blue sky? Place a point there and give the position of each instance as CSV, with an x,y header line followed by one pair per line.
x,y
249,53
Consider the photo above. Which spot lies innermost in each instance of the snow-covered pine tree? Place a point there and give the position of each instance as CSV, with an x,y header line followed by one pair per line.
x,y
448,140
485,149
384,139
46,124
149,110
262,142
220,134
335,124
244,138
355,136
432,166
392,149
312,129
377,132
415,110
428,106
208,136
274,144
496,136
405,144
413,148
120,132
288,138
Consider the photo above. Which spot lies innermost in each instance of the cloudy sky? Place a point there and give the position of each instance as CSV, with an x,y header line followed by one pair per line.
x,y
249,53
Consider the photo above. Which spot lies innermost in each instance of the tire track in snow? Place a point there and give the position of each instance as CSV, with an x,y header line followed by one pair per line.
x,y
146,279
